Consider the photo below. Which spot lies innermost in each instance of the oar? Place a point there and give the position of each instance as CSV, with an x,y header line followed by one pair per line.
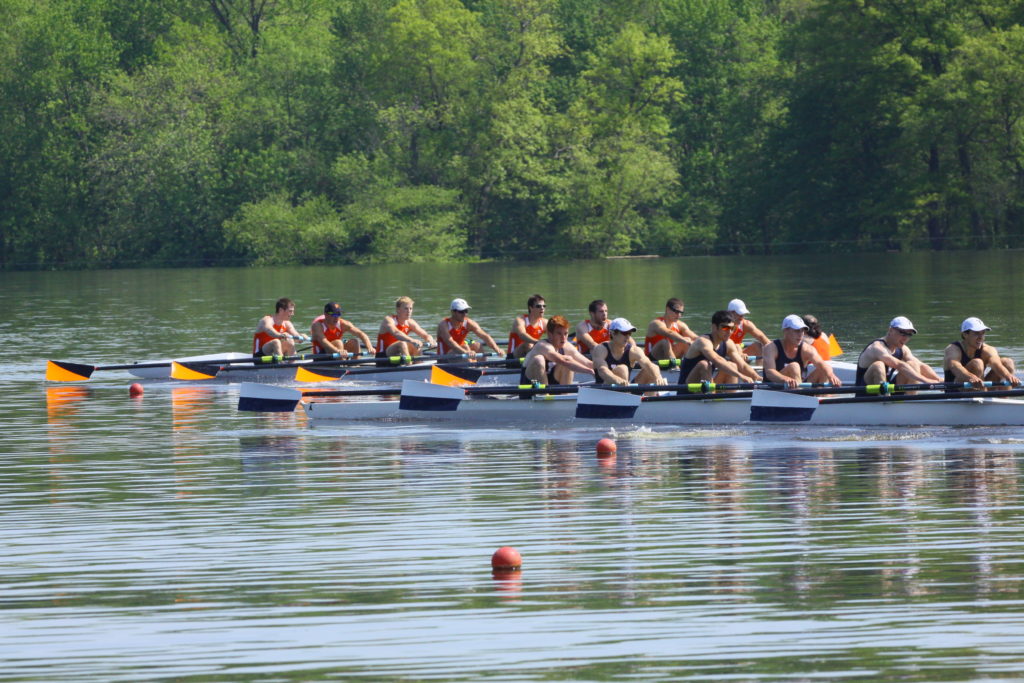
x,y
306,373
204,370
65,371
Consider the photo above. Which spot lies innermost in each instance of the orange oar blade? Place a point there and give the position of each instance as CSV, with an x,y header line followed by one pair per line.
x,y
193,371
833,346
62,371
454,376
319,374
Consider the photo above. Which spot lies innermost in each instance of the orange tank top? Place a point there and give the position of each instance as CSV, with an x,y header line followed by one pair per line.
x,y
535,331
739,333
458,336
261,338
652,340
386,339
822,346
330,334
598,334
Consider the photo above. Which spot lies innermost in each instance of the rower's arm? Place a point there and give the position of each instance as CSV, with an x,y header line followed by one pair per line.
x,y
475,328
768,361
811,356
755,332
739,361
995,362
415,328
445,335
599,359
360,335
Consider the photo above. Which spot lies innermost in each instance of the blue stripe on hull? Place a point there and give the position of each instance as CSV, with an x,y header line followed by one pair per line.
x,y
430,403
604,412
780,414
266,405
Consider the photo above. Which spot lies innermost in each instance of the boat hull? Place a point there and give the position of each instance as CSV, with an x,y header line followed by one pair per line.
x,y
719,411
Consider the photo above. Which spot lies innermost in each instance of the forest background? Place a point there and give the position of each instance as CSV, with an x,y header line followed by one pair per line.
x,y
234,132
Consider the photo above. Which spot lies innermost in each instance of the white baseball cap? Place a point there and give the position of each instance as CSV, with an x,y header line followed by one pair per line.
x,y
460,305
737,306
903,323
793,322
621,325
973,325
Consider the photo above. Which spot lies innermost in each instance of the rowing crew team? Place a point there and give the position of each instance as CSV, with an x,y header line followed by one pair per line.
x,y
800,354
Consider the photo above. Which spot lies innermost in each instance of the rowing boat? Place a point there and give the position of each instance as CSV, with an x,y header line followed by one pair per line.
x,y
425,402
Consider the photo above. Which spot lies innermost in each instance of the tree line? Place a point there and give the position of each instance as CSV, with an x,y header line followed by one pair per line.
x,y
223,132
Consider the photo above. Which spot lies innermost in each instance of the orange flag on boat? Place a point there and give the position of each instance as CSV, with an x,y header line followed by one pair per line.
x,y
834,348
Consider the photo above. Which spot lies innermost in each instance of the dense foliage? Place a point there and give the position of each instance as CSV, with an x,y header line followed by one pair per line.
x,y
193,132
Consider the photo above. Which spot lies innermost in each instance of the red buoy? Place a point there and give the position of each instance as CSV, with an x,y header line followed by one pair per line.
x,y
605,447
135,390
506,557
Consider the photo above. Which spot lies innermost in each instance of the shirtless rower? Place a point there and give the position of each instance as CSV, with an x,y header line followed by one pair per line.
x,y
968,359
453,330
715,357
595,329
668,336
275,333
889,359
394,335
527,329
746,327
329,329
786,359
554,359
613,359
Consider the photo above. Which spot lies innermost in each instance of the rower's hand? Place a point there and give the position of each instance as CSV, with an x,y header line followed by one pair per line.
x,y
1014,381
661,381
791,383
976,382
835,381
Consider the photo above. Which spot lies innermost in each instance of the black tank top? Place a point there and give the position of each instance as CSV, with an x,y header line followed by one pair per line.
x,y
948,375
688,364
890,375
782,360
612,361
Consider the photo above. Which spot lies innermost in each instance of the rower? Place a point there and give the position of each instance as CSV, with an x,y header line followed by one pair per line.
x,y
329,329
527,329
595,329
745,327
394,335
667,336
889,359
275,333
553,359
714,357
788,360
967,360
614,358
452,332
816,337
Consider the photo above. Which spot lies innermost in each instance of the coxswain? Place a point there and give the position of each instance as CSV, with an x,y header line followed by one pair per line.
x,y
554,359
889,359
973,361
275,333
453,330
714,357
816,337
745,327
527,329
667,336
595,329
394,335
790,360
614,359
329,329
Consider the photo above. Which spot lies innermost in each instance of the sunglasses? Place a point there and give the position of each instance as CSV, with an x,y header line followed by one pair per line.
x,y
906,333
727,327
676,310
333,315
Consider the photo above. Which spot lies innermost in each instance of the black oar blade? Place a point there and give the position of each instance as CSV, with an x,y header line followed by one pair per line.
x,y
319,374
62,371
193,371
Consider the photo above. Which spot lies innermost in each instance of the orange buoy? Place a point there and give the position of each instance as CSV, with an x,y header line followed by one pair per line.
x,y
605,447
135,390
506,557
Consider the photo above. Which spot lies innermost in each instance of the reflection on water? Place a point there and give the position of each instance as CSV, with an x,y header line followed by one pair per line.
x,y
230,546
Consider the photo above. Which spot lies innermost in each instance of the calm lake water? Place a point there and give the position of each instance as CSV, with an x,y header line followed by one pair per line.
x,y
172,537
